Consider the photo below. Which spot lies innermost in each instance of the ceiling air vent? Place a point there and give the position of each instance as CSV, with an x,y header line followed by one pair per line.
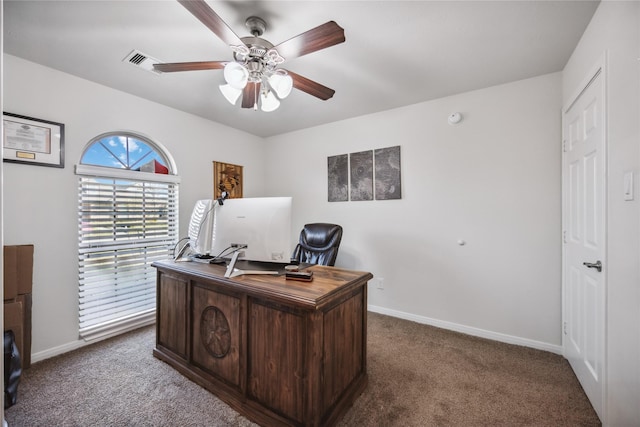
x,y
141,60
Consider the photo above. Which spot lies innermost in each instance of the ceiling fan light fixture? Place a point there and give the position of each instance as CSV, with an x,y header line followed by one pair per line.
x,y
256,60
236,75
230,93
269,102
281,83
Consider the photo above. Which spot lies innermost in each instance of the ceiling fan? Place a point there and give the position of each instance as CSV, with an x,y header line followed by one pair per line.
x,y
254,72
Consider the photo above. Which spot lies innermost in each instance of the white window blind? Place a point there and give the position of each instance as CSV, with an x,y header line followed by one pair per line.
x,y
124,226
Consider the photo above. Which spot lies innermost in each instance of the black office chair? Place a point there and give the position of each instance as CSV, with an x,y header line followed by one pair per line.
x,y
319,244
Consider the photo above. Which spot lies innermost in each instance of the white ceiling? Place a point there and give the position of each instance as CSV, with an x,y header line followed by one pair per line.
x,y
396,52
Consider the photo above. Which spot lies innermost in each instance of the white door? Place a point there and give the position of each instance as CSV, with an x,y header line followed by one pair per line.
x,y
584,266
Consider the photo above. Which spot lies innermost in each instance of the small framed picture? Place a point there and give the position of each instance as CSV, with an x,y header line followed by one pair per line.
x,y
227,177
32,141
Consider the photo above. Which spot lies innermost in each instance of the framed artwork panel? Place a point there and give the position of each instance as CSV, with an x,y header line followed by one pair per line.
x,y
387,174
361,175
338,178
227,177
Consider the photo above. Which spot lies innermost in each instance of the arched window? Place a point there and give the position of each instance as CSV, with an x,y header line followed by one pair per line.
x,y
127,219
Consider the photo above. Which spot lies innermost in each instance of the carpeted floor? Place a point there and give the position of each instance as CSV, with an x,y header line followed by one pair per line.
x,y
418,376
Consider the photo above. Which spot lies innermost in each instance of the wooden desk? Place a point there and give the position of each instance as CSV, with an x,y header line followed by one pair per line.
x,y
280,352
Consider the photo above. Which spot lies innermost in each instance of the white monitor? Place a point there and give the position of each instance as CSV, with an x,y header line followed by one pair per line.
x,y
263,224
201,226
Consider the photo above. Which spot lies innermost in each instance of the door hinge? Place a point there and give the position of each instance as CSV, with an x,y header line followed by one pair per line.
x,y
564,145
564,328
564,236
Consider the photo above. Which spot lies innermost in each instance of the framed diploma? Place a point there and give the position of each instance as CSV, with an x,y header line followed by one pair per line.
x,y
32,141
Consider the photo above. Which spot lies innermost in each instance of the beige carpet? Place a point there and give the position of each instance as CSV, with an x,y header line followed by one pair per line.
x,y
418,376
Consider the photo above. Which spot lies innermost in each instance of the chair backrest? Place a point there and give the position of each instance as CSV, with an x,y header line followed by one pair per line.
x,y
319,243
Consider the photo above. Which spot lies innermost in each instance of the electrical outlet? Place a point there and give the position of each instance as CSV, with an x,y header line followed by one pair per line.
x,y
380,284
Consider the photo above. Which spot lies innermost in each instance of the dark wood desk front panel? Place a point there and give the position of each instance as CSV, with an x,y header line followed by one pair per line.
x,y
281,352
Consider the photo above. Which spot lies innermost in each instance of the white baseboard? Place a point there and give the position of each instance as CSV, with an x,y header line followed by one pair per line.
x,y
482,333
476,332
56,351
74,345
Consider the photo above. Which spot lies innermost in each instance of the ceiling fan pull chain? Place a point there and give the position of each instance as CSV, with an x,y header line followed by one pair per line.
x,y
255,97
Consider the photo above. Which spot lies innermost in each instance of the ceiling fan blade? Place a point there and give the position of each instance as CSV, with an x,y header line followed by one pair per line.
x,y
311,87
321,37
249,95
190,66
201,10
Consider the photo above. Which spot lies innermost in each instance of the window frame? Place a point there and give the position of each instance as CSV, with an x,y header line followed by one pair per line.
x,y
149,183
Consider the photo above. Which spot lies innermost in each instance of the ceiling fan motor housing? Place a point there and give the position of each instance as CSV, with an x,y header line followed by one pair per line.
x,y
256,49
257,46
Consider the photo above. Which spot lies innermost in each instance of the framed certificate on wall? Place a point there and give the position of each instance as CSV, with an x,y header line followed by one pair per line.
x,y
32,141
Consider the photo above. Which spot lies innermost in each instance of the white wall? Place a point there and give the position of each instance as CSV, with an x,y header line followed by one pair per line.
x,y
40,203
614,31
493,181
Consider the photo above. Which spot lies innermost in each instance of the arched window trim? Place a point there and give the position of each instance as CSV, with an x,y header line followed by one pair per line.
x,y
105,171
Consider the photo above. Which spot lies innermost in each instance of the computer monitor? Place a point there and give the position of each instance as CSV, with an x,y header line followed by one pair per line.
x,y
263,224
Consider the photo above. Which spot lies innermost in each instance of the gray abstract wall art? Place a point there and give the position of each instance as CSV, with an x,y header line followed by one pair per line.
x,y
387,176
361,175
366,175
338,177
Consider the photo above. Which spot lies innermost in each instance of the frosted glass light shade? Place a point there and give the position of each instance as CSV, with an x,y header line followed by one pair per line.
x,y
269,102
232,94
281,84
236,75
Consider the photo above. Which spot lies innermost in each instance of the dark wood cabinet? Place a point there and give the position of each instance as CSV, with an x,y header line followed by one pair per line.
x,y
172,303
280,352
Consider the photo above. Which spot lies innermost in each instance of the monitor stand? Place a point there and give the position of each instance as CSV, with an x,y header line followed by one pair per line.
x,y
181,257
233,272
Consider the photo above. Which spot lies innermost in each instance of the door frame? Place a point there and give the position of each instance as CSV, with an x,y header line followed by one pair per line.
x,y
600,67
